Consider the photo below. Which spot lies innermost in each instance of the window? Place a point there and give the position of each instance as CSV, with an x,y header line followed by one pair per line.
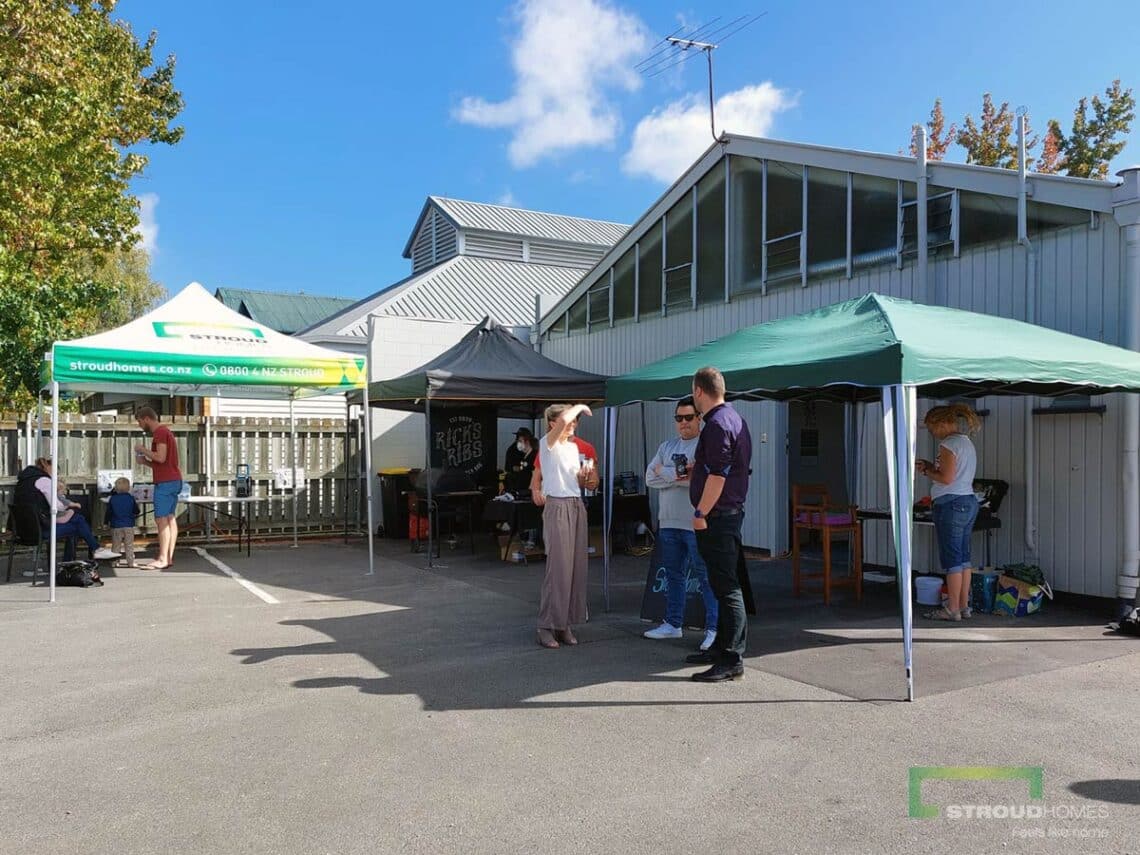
x,y
679,255
785,220
874,220
986,218
827,221
710,236
649,273
558,327
578,316
1042,216
599,299
746,179
624,294
940,221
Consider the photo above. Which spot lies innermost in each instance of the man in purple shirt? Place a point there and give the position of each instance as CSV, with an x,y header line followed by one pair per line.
x,y
717,490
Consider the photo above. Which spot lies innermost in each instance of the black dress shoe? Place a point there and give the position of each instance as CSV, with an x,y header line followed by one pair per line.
x,y
705,657
720,673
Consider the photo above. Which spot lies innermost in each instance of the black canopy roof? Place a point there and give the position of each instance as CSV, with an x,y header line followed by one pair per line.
x,y
489,365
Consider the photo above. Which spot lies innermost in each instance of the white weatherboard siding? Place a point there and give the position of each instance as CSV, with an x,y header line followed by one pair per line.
x,y
1078,456
323,407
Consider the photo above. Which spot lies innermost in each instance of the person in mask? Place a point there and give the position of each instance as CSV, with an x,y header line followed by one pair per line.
x,y
519,462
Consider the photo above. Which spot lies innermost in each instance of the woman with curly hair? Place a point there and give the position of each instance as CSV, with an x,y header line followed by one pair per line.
x,y
955,507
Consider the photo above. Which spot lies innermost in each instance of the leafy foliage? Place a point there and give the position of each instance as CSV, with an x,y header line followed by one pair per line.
x,y
994,141
1094,140
78,94
938,136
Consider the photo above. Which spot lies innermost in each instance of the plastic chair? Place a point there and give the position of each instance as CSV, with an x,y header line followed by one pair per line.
x,y
812,511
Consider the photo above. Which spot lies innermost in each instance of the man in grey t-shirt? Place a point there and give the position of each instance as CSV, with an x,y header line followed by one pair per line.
x,y
668,473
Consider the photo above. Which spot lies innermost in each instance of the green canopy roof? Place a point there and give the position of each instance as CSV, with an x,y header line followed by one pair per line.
x,y
849,351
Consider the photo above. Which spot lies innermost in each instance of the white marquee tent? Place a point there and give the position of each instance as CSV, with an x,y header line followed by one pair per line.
x,y
193,345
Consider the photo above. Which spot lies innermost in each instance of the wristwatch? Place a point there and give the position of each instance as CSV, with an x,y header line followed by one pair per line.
x,y
697,515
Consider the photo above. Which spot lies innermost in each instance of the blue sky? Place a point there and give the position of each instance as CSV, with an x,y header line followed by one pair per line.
x,y
315,132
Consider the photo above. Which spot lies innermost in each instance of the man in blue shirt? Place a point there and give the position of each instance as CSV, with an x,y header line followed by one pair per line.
x,y
718,489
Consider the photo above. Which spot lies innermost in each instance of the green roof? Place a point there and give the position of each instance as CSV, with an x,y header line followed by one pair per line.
x,y
287,313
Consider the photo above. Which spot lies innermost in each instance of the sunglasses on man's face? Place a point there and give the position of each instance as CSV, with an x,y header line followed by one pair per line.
x,y
687,417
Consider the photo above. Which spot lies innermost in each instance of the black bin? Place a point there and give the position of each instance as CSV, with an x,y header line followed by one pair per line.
x,y
395,484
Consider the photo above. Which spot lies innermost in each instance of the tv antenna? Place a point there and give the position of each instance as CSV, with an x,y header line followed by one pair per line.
x,y
676,48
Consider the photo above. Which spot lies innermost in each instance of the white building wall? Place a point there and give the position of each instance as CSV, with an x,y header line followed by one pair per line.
x,y
1077,456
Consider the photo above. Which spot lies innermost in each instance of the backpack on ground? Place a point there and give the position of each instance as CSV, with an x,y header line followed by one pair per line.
x,y
78,574
1129,624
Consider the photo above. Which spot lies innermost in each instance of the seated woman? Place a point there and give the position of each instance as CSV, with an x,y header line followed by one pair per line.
x,y
68,524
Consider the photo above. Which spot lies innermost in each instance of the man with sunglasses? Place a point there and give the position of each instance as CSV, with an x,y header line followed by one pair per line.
x,y
669,473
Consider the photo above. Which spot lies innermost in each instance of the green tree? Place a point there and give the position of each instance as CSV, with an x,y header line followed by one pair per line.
x,y
1095,140
938,136
79,93
1051,159
994,141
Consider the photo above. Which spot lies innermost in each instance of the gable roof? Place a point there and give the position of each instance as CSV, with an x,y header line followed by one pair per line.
x,y
479,216
1084,193
283,311
463,288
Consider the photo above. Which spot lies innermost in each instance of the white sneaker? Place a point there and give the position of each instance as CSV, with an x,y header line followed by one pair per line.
x,y
104,554
710,637
666,630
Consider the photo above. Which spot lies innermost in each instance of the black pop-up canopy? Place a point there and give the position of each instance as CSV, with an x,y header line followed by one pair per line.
x,y
489,365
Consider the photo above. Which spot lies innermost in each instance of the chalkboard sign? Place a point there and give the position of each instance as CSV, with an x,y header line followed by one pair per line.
x,y
653,599
465,440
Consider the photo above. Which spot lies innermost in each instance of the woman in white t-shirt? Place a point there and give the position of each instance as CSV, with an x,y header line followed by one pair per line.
x,y
564,474
955,507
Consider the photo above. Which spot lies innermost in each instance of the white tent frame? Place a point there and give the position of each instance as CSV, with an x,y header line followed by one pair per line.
x,y
277,391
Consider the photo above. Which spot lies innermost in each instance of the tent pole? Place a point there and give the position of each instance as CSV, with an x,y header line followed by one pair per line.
x,y
427,472
54,488
347,418
209,523
899,429
608,497
366,406
293,449
644,442
39,425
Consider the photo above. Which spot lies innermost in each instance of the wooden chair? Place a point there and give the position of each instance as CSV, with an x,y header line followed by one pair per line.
x,y
812,511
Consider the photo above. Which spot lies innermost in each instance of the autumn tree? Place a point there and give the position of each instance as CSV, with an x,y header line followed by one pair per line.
x,y
78,94
938,137
1051,160
1095,140
994,141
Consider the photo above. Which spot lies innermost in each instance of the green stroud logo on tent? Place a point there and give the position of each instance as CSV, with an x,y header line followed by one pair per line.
x,y
208,332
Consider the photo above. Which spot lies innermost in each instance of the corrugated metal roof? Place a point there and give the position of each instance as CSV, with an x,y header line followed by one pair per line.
x,y
464,288
479,216
282,311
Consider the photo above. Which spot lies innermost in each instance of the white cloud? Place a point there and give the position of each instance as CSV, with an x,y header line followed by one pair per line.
x,y
669,139
567,57
148,225
508,199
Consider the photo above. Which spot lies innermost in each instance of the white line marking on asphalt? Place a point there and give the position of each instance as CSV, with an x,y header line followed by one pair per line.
x,y
237,577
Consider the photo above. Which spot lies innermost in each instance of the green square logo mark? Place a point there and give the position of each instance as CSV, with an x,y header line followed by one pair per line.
x,y
919,810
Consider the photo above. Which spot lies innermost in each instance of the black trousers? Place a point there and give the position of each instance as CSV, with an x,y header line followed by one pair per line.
x,y
719,545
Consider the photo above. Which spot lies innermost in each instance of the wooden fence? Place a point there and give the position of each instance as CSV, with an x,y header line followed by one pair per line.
x,y
210,450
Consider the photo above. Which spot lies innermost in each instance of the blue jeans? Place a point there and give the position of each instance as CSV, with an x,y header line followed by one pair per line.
x,y
953,518
679,554
67,532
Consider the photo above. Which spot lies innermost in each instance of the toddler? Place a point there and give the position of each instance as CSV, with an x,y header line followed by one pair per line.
x,y
122,509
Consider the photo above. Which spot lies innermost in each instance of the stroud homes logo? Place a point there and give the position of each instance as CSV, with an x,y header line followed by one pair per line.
x,y
209,332
1015,809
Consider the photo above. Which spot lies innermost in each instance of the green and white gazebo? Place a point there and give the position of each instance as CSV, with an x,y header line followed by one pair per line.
x,y
193,345
883,349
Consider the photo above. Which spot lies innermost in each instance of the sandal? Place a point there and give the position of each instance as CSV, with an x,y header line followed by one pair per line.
x,y
943,614
546,639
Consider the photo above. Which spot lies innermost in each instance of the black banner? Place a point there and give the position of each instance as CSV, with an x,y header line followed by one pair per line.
x,y
465,440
